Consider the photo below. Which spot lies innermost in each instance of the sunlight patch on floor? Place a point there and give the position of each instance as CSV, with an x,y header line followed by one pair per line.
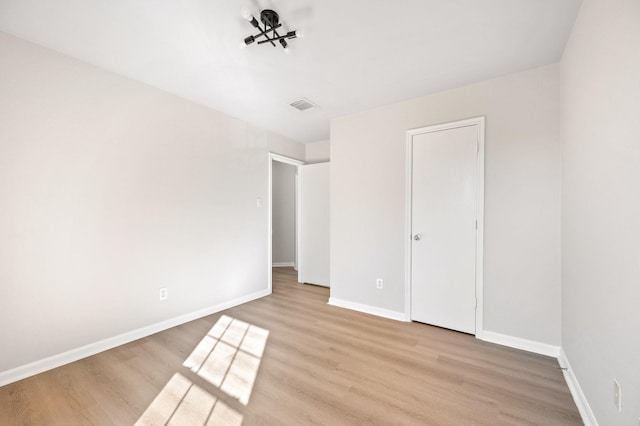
x,y
183,403
228,358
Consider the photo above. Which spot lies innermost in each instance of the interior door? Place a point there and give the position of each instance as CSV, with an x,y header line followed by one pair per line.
x,y
443,225
313,226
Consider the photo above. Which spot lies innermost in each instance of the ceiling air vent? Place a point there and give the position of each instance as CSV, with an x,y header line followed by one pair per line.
x,y
303,104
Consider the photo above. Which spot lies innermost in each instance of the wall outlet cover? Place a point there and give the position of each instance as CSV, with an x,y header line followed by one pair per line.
x,y
164,293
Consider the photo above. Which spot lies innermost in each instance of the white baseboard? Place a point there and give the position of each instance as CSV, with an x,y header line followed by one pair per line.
x,y
31,369
283,265
584,408
367,309
519,343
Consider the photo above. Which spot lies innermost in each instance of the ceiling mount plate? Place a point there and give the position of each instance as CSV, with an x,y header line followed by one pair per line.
x,y
270,18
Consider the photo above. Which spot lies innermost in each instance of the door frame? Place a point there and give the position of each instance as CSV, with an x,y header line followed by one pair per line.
x,y
480,122
293,162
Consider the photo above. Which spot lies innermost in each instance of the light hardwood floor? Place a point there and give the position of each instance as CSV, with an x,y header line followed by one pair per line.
x,y
290,359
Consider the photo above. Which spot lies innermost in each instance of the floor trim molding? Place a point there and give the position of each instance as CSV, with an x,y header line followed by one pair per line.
x,y
36,367
584,408
519,343
283,264
367,309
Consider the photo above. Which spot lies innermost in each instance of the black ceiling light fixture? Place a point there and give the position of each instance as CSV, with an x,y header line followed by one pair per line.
x,y
269,29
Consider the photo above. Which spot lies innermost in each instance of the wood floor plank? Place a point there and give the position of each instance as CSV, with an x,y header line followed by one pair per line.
x,y
290,358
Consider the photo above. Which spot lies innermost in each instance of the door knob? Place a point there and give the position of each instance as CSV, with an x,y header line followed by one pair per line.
x,y
417,237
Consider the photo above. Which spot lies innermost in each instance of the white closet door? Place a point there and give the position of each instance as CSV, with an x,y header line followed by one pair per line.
x,y
443,261
313,226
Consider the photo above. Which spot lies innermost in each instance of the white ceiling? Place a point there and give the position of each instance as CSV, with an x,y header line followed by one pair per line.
x,y
356,54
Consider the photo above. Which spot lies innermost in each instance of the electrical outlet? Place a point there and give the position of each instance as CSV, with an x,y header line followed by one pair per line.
x,y
617,395
379,283
164,293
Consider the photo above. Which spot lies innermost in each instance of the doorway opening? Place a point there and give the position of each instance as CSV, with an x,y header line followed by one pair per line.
x,y
286,224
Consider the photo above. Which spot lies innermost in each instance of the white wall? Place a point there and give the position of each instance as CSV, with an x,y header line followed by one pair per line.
x,y
522,200
109,190
317,152
600,78
284,213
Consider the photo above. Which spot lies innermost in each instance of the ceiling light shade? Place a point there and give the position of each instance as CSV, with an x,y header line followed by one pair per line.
x,y
268,30
246,14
